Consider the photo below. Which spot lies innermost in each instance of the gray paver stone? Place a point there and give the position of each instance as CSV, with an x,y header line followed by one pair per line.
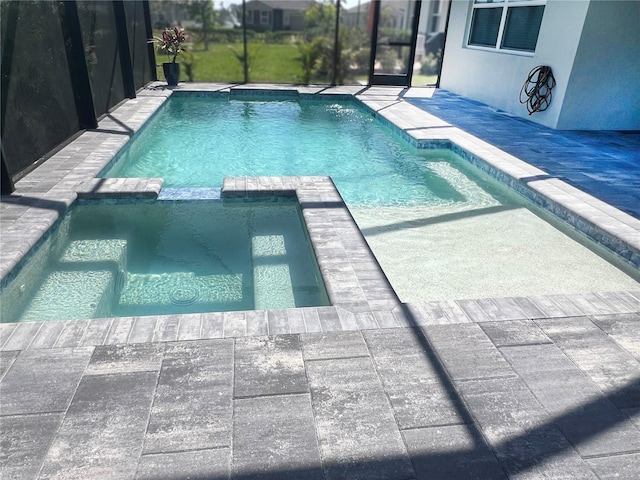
x,y
42,381
140,357
515,332
624,329
192,407
466,352
119,331
616,467
143,329
101,435
358,435
317,346
25,441
592,424
190,326
269,365
525,440
6,360
274,438
195,464
47,336
451,453
419,395
96,332
612,368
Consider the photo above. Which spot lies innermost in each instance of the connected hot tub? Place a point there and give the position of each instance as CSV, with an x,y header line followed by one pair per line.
x,y
112,259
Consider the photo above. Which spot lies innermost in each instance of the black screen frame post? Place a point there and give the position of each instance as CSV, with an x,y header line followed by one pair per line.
x,y
78,67
123,49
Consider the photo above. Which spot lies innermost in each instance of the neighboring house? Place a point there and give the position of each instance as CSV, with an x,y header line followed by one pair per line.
x,y
433,17
277,14
393,14
358,15
398,14
433,22
592,46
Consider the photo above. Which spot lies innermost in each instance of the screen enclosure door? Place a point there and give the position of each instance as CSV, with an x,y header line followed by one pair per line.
x,y
395,31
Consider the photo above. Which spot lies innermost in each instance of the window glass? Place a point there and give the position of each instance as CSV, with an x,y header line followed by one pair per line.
x,y
522,27
506,24
485,26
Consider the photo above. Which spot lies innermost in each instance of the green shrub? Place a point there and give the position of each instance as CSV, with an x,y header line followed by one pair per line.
x,y
431,63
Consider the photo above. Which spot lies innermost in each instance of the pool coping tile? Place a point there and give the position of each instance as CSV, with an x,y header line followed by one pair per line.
x,y
360,295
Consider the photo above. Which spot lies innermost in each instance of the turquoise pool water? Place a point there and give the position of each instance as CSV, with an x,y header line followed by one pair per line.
x,y
167,257
197,141
440,228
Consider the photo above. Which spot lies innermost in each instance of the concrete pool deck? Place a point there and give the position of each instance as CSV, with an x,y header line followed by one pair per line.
x,y
522,387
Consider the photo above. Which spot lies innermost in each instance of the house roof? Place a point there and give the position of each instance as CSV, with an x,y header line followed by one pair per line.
x,y
300,5
364,7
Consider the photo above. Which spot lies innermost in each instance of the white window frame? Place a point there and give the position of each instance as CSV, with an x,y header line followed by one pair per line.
x,y
435,14
505,5
265,17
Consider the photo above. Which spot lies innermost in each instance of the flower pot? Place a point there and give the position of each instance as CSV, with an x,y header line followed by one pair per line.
x,y
171,73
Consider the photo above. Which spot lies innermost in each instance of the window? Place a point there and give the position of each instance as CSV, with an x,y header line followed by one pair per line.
x,y
434,20
506,24
264,18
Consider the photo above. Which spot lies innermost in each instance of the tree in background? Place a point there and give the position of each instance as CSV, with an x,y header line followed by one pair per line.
x,y
320,20
309,54
316,49
202,11
168,13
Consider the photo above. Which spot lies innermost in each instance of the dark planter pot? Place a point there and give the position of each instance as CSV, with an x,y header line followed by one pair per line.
x,y
171,73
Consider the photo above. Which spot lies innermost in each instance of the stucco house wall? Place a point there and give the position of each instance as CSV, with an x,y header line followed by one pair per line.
x,y
591,46
605,79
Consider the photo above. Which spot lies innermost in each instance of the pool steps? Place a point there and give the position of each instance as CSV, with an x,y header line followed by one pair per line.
x,y
271,276
86,275
88,289
145,294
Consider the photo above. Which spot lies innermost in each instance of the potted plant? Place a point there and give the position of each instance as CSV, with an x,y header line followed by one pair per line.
x,y
171,43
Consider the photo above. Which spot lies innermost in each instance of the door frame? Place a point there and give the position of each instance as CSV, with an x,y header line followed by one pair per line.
x,y
403,79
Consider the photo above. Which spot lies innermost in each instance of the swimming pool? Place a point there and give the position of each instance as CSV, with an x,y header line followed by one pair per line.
x,y
439,227
213,137
167,257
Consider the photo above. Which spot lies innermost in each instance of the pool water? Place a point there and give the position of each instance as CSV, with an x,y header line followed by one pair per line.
x,y
196,142
168,257
440,228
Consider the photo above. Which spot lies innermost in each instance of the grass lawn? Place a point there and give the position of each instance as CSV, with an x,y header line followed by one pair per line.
x,y
421,80
273,63
416,81
276,63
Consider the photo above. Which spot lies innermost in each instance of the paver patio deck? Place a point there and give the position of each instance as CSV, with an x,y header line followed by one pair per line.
x,y
368,388
534,398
